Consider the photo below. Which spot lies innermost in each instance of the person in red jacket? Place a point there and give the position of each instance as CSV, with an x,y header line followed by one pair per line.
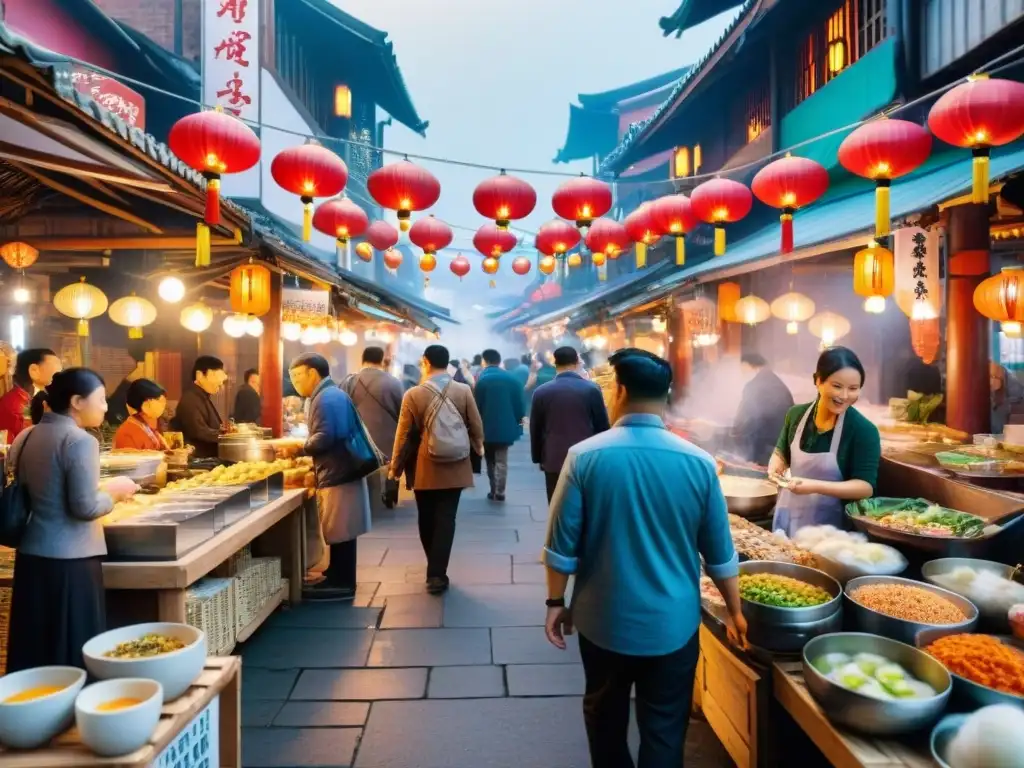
x,y
33,371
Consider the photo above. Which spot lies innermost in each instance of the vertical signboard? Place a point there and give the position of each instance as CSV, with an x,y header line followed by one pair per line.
x,y
231,57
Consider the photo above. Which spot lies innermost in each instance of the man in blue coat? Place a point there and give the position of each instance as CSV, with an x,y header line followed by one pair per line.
x,y
499,398
565,411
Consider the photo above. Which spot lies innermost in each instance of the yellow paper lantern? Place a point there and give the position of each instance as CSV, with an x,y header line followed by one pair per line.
x,y
250,290
196,317
751,310
82,302
546,265
794,308
133,312
829,327
599,259
728,295
574,260
874,276
18,255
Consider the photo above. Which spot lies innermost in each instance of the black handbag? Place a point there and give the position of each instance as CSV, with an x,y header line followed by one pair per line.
x,y
15,506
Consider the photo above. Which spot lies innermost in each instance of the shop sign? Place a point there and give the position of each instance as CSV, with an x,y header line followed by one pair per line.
x,y
198,744
302,302
916,263
231,56
112,95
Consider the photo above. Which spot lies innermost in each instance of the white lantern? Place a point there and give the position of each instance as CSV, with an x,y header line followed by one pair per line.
x,y
310,337
348,338
291,331
171,289
196,317
254,327
234,326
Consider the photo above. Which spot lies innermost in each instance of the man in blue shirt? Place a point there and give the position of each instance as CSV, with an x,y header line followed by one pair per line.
x,y
634,509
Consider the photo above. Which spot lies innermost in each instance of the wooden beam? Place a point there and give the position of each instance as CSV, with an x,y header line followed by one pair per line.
x,y
99,205
180,242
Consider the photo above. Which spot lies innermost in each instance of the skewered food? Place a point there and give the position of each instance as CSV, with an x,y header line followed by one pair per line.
x,y
908,603
781,591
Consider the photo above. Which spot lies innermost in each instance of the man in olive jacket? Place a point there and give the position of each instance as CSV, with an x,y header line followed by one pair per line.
x,y
499,399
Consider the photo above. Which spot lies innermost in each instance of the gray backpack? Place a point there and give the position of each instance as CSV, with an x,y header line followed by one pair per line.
x,y
446,431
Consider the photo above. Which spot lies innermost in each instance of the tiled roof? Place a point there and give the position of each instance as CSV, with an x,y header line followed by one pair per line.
x,y
693,12
608,99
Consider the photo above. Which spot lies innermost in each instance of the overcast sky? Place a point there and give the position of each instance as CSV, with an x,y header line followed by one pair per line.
x,y
495,80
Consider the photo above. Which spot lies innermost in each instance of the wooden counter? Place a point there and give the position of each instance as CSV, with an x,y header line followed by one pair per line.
x,y
842,748
281,519
218,685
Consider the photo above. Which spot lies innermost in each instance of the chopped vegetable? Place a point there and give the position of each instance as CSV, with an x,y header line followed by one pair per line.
x,y
919,517
982,659
147,645
781,591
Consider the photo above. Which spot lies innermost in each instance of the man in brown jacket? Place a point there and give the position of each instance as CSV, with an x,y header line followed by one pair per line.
x,y
438,480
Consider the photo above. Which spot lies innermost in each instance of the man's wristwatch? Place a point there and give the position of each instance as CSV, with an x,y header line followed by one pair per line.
x,y
557,602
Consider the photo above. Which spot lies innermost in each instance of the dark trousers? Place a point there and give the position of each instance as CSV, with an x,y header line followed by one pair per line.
x,y
475,461
436,515
496,456
341,571
551,482
664,693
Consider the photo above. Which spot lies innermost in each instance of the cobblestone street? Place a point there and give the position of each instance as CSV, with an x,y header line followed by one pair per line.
x,y
402,679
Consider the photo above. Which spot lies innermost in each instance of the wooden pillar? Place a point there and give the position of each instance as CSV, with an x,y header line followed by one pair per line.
x,y
968,401
272,364
680,354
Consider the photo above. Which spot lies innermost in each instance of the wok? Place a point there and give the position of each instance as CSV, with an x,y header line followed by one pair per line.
x,y
747,496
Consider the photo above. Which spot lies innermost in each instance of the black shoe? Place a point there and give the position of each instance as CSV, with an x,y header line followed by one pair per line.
x,y
437,585
490,496
499,497
324,592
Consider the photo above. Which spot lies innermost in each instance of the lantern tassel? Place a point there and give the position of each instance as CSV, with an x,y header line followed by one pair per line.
x,y
680,251
882,217
641,255
307,219
134,333
202,245
719,240
83,328
787,231
213,201
979,190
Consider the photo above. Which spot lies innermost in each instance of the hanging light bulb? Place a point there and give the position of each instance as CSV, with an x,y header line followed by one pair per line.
x,y
348,338
234,326
1012,329
323,335
310,337
874,305
171,289
291,331
792,328
22,295
254,327
196,317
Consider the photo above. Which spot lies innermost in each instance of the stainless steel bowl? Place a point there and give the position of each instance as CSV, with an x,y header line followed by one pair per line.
x,y
943,734
864,713
771,616
792,637
748,496
865,619
968,693
997,617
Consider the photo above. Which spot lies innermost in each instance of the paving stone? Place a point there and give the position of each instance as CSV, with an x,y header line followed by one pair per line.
x,y
370,555
259,714
507,605
360,685
430,648
529,573
382,574
404,556
466,682
262,684
365,593
410,611
471,569
307,648
527,557
545,679
392,589
314,615
321,714
299,747
528,645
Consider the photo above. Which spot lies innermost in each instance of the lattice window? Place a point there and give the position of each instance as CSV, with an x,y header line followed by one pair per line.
x,y
681,163
873,25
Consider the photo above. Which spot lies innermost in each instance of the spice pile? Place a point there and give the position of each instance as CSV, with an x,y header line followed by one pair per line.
x,y
908,603
755,543
781,591
982,659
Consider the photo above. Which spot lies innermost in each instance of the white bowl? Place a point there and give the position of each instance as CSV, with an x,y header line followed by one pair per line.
x,y
175,671
31,724
121,731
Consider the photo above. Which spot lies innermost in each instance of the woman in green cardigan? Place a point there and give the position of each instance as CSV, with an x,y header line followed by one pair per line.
x,y
830,449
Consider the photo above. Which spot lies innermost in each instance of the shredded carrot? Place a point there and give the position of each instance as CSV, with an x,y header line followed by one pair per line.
x,y
982,659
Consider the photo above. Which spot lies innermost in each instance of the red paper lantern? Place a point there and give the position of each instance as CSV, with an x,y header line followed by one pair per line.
x,y
460,266
643,229
504,198
545,292
582,200
674,216
490,265
341,219
608,237
925,337
404,187
382,235
521,265
720,202
492,240
392,258
428,262
790,183
547,265
214,143
882,150
431,234
309,171
978,115
556,238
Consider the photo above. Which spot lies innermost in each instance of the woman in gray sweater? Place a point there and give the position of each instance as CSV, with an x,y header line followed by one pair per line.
x,y
58,601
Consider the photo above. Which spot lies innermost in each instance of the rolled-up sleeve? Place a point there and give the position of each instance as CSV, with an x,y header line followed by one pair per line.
x,y
565,523
715,538
82,470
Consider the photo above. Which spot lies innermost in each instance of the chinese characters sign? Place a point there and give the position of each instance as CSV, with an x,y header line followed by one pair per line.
x,y
302,305
916,253
198,744
231,56
112,95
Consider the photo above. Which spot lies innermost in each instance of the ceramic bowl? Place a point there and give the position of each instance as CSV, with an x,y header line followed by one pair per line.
x,y
118,731
30,724
175,671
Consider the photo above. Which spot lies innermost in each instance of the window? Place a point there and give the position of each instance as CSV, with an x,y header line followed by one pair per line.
x,y
681,163
696,159
342,101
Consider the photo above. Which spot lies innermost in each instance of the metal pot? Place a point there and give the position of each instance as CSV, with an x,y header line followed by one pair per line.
x,y
968,693
996,616
244,447
772,616
865,619
747,496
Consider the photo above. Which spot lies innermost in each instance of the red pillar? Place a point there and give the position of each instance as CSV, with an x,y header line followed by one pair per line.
x,y
680,354
968,401
271,364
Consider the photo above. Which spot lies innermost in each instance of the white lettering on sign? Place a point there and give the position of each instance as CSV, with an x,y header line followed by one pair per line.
x,y
300,301
198,744
231,56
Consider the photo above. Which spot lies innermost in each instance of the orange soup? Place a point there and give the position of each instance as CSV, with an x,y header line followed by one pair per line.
x,y
30,694
115,705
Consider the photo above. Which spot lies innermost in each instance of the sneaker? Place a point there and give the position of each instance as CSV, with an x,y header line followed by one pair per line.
x,y
325,592
437,585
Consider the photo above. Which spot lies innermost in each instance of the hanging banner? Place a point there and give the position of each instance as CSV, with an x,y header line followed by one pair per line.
x,y
303,302
231,57
112,95
916,261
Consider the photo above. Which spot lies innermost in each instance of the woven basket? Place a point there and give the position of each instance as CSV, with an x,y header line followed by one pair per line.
x,y
210,606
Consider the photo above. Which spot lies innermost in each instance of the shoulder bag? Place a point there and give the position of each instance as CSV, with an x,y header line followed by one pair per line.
x,y
15,505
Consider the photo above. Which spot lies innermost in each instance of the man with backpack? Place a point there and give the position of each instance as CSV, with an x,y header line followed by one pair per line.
x,y
438,429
